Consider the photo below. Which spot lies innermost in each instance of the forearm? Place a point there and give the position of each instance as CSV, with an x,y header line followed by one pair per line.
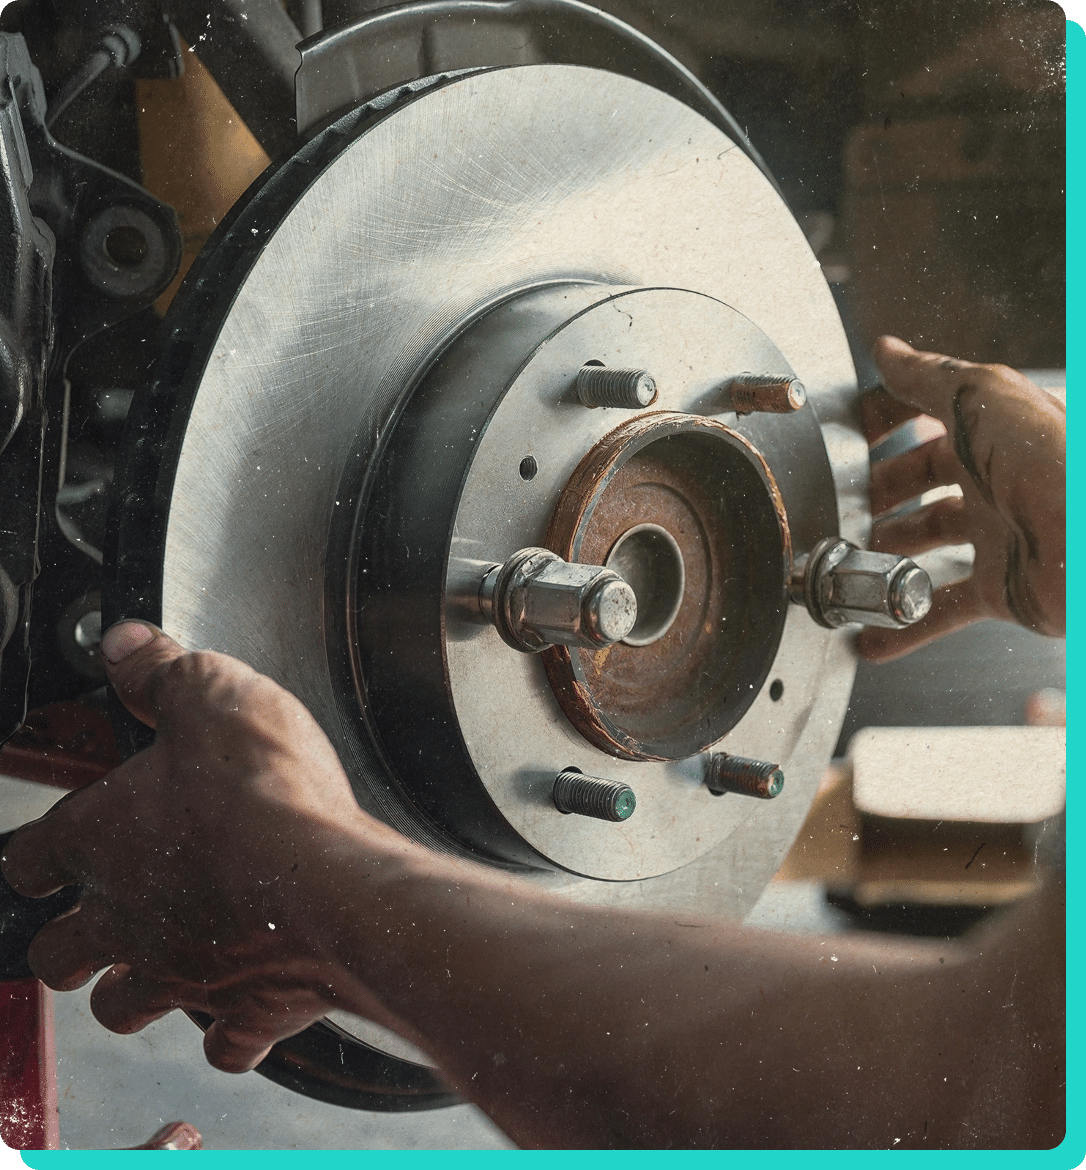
x,y
586,1027
276,897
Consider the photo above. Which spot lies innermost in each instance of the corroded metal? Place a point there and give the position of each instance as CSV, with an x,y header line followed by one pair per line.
x,y
767,392
712,492
725,773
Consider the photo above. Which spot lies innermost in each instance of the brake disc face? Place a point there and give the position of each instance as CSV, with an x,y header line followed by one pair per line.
x,y
372,401
496,451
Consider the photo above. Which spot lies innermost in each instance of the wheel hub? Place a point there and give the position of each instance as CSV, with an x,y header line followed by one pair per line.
x,y
438,683
691,511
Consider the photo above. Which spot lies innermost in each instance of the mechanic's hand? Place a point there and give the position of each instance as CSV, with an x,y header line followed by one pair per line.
x,y
203,859
1004,443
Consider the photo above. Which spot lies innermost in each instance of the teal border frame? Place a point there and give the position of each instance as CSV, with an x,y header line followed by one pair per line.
x,y
1072,1151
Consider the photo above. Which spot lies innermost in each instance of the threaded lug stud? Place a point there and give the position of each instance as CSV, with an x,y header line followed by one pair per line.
x,y
589,796
626,389
737,774
767,393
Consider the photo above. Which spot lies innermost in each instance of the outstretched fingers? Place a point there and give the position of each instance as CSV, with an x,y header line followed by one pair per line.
x,y
233,1047
942,522
881,413
44,855
927,382
932,464
70,950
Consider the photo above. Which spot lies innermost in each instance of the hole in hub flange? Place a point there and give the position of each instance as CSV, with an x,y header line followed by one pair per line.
x,y
647,558
125,245
528,467
776,689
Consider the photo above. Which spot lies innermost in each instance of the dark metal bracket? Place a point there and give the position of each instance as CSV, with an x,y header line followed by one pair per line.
x,y
85,248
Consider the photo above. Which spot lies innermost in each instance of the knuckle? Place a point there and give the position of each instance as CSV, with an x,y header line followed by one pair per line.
x,y
200,673
996,373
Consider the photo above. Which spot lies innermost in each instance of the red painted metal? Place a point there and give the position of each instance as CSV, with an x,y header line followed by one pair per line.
x,y
28,1067
64,745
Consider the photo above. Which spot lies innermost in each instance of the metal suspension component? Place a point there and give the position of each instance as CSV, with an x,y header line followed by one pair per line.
x,y
431,488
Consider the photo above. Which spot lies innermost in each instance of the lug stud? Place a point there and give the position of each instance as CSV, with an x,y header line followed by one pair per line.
x,y
589,796
604,386
766,393
725,773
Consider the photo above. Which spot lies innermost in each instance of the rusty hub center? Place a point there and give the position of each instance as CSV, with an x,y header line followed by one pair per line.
x,y
713,568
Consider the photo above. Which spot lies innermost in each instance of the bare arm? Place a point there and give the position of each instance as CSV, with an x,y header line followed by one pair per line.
x,y
228,869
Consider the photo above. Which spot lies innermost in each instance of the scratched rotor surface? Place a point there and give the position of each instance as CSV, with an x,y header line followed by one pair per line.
x,y
417,222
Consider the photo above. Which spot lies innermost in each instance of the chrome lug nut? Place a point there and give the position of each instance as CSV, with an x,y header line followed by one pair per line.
x,y
767,393
604,386
840,583
536,600
725,773
606,800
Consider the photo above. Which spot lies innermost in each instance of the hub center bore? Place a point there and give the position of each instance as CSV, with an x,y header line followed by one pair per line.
x,y
649,559
688,512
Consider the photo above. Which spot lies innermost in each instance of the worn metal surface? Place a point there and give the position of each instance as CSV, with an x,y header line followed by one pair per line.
x,y
751,392
371,53
710,489
514,727
28,1082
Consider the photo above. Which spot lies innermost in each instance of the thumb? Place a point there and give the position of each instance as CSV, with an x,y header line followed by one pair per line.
x,y
137,656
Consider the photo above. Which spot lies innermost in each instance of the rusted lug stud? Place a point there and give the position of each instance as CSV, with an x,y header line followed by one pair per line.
x,y
840,583
724,773
589,796
604,386
767,393
536,600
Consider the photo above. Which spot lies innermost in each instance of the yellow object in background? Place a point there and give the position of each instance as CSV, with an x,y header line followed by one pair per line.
x,y
198,155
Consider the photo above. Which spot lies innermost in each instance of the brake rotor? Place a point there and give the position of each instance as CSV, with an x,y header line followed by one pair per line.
x,y
367,400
